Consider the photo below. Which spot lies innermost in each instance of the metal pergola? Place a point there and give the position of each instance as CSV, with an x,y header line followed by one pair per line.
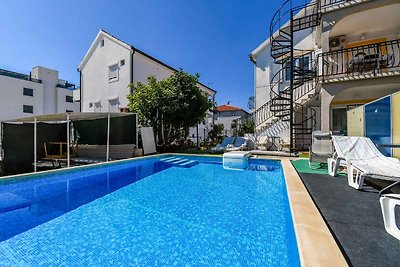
x,y
67,118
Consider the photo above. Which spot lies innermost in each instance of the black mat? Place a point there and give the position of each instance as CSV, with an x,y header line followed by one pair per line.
x,y
356,220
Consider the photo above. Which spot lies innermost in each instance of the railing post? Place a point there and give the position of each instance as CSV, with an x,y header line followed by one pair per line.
x,y
35,145
291,117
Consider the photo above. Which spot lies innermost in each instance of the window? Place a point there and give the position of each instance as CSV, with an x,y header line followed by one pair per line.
x,y
69,111
113,105
28,91
304,63
122,63
102,43
113,72
97,107
27,109
288,73
69,99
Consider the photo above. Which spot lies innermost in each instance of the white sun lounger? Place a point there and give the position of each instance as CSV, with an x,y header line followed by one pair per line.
x,y
388,205
362,159
239,145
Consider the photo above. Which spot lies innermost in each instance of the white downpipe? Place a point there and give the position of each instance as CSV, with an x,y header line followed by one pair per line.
x,y
108,137
68,140
34,145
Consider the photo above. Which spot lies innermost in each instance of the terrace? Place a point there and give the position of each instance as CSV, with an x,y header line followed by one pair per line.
x,y
17,75
330,5
361,62
65,84
354,217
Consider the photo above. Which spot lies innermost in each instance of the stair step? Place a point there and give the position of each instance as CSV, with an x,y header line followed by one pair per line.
x,y
169,159
281,38
188,162
276,47
179,162
285,31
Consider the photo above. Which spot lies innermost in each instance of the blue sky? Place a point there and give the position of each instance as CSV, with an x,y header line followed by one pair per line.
x,y
210,37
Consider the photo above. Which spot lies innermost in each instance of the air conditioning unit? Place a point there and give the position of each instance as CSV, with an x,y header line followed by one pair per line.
x,y
337,43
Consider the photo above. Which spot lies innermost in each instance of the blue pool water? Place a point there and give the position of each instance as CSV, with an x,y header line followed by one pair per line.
x,y
149,213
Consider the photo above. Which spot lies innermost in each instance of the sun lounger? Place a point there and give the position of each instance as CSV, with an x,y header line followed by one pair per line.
x,y
321,147
342,146
228,140
363,159
388,205
239,144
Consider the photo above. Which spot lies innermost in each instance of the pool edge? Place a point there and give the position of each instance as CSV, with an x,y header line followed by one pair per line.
x,y
94,165
316,245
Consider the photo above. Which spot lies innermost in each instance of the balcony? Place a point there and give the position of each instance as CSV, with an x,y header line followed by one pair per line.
x,y
329,5
65,84
361,62
19,76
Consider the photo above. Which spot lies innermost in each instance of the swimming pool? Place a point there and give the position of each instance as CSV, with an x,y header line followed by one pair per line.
x,y
149,212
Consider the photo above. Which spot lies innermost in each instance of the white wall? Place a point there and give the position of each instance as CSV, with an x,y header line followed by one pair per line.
x,y
96,87
144,67
227,122
62,104
262,72
49,79
12,98
46,99
95,83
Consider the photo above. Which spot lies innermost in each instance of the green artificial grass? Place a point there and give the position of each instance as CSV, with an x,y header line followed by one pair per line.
x,y
302,166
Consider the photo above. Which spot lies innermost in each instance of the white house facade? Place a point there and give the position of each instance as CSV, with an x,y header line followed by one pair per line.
x,y
39,93
110,65
322,59
230,117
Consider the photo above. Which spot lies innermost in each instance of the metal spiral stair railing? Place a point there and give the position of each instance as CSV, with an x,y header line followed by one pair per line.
x,y
270,114
301,119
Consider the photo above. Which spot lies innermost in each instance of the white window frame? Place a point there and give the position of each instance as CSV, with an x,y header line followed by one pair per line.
x,y
113,77
115,100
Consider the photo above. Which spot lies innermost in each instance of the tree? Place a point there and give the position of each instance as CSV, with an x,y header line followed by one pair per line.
x,y
170,106
216,133
247,126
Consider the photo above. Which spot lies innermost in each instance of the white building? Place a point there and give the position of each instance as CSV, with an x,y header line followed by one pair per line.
x,y
230,117
110,65
322,59
39,93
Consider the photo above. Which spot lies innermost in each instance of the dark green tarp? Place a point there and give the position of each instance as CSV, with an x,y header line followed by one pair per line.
x,y
94,132
18,144
18,138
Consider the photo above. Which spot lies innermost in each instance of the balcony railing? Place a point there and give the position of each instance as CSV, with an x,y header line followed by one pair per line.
x,y
379,59
19,76
66,85
327,4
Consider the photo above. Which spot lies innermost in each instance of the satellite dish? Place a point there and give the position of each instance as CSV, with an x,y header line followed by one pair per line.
x,y
250,103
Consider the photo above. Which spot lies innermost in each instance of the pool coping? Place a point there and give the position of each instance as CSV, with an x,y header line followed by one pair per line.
x,y
316,244
74,168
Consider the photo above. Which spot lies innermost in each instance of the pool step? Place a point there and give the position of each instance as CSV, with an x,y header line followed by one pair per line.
x,y
180,162
253,167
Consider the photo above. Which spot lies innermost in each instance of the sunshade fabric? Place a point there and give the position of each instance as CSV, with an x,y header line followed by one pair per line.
x,y
18,144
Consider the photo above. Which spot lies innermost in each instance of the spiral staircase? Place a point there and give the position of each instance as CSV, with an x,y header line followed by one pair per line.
x,y
296,81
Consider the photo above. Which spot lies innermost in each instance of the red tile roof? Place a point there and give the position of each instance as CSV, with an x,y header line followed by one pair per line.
x,y
226,108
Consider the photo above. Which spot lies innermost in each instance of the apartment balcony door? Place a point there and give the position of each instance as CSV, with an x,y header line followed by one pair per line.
x,y
339,120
